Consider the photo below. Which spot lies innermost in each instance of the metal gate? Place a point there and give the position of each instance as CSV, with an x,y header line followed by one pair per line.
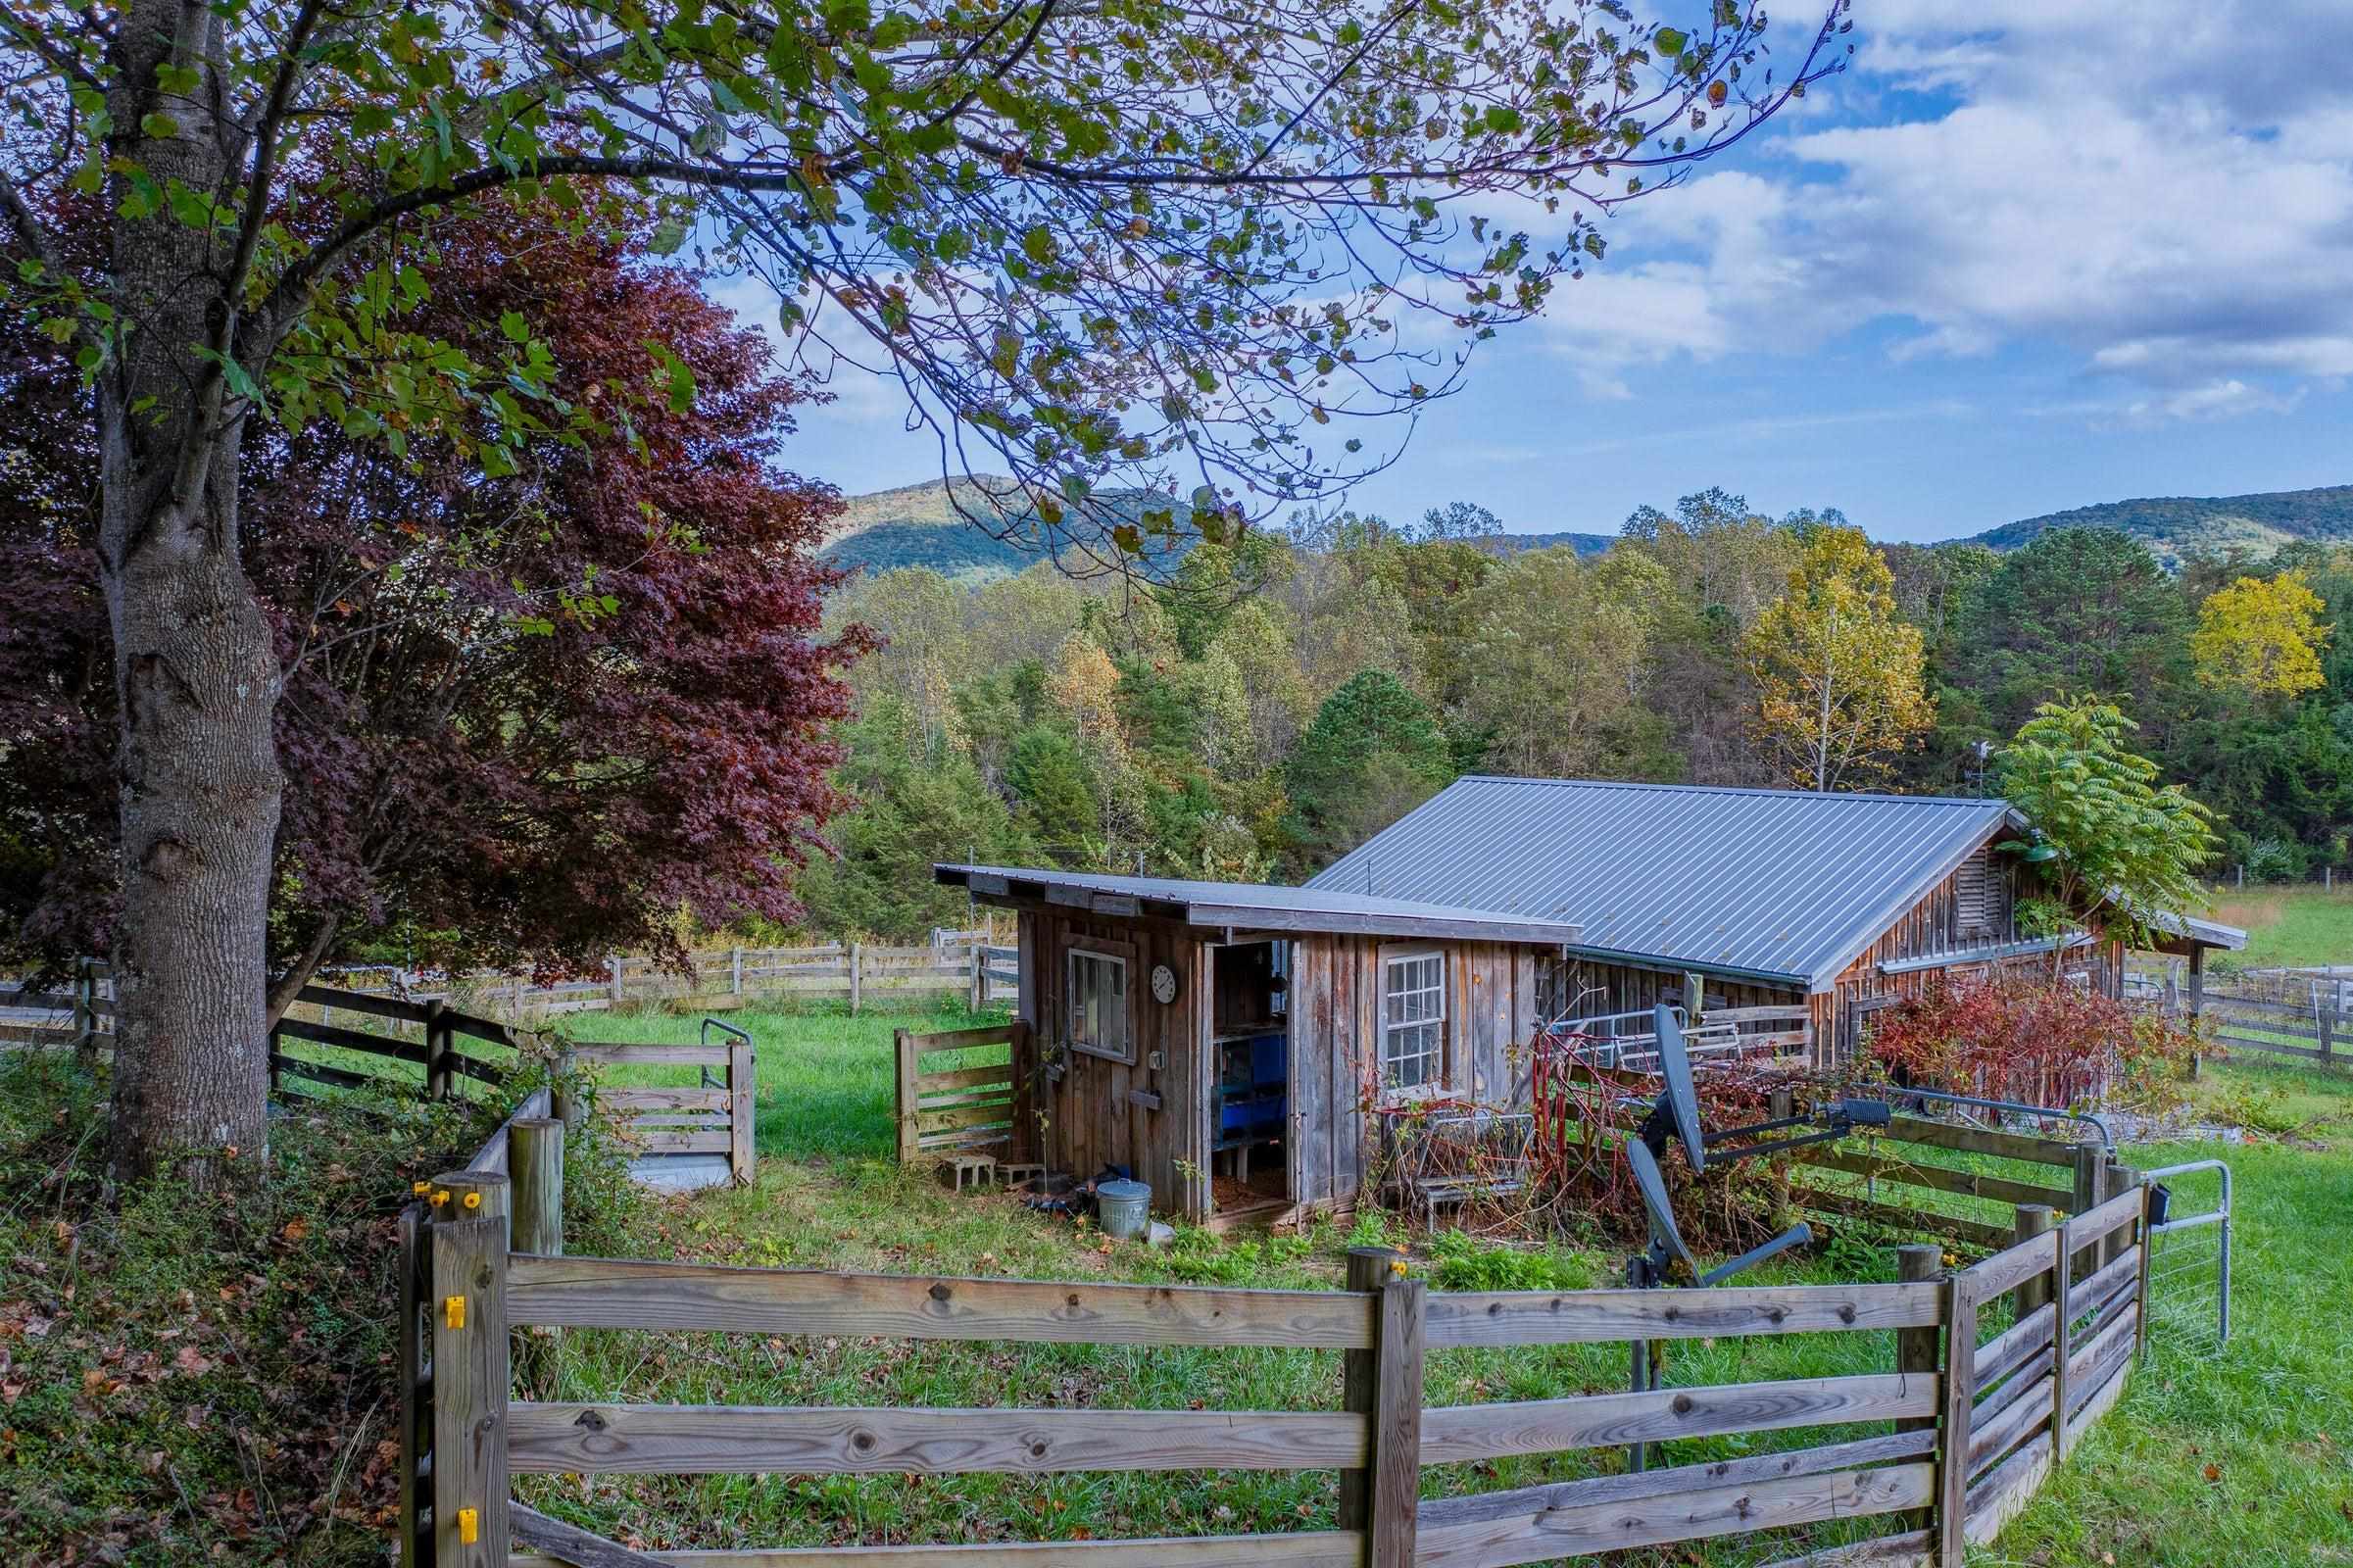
x,y
2189,1258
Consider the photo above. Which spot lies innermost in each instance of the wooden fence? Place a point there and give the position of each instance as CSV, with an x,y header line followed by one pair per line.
x,y
714,1117
80,1013
2306,1017
1900,1156
855,973
972,1104
444,1050
1970,1424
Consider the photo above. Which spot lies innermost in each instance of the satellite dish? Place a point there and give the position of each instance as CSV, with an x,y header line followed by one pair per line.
x,y
1653,1184
1676,1089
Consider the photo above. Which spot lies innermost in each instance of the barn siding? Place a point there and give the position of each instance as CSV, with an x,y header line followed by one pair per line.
x,y
1930,928
1091,1119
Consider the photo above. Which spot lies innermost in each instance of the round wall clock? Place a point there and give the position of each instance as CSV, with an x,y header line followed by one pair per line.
x,y
1163,984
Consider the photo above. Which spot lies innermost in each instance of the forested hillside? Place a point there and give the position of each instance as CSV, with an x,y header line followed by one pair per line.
x,y
980,528
2180,526
919,525
1279,700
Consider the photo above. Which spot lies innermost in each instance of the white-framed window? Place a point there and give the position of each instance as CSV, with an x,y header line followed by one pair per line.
x,y
1098,997
1413,1019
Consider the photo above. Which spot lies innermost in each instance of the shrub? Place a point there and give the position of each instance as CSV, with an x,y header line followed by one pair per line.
x,y
2039,1040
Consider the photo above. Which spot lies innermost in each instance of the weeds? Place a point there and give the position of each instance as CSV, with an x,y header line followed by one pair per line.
x,y
184,1383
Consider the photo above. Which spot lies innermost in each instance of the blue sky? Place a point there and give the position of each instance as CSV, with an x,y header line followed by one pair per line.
x,y
2085,250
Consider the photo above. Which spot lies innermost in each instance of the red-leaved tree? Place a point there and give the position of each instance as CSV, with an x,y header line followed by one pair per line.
x,y
530,717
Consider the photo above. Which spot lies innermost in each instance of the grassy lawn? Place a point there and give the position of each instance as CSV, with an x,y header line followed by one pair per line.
x,y
2290,927
2209,1459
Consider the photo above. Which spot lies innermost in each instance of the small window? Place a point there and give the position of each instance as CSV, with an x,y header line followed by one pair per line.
x,y
1413,1020
1099,1005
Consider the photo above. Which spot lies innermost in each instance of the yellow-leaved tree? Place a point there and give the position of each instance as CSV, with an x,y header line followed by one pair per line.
x,y
1836,669
2261,635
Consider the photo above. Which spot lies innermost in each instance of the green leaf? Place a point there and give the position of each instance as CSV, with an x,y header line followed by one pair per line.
x,y
1671,41
518,329
1038,244
162,127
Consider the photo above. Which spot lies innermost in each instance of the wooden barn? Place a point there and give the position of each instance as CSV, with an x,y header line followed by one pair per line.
x,y
1248,1050
1218,1039
1833,904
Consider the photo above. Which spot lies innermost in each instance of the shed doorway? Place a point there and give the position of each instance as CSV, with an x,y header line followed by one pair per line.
x,y
1249,1075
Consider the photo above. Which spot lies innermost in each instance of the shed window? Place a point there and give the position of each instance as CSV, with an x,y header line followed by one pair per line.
x,y
1974,894
1099,1005
1413,1019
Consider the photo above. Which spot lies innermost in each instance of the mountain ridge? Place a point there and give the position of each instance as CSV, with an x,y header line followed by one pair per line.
x,y
919,525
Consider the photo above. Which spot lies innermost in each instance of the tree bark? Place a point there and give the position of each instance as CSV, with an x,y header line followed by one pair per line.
x,y
195,669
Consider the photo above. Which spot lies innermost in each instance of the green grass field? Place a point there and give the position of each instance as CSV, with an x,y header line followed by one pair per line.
x,y
2290,927
2226,1459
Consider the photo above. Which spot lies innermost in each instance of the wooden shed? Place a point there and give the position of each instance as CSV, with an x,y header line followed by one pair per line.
x,y
1224,1042
1737,902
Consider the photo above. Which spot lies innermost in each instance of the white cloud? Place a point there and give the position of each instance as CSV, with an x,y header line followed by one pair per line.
x,y
2162,191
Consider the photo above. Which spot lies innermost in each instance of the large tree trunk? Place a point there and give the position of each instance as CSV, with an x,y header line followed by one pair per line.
x,y
195,670
198,682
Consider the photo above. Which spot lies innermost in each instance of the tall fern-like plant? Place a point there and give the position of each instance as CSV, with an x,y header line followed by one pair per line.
x,y
2112,840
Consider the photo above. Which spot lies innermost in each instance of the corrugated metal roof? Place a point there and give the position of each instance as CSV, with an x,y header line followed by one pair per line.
x,y
1256,906
1781,885
2205,933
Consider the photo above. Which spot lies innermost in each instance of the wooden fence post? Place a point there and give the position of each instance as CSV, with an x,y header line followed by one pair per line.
x,y
2030,1221
85,1015
743,1080
855,949
1384,1385
535,1168
1960,1398
471,1378
2088,1196
2148,1253
440,1045
613,967
903,1044
735,971
2116,1181
415,1387
1915,1350
976,957
563,1099
2063,1312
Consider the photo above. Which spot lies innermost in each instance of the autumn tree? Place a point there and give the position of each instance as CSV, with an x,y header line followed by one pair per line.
x,y
1723,563
2262,636
1836,670
1128,243
2119,842
528,718
1554,663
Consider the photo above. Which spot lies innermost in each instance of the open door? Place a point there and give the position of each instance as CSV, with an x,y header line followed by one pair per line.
x,y
1251,1159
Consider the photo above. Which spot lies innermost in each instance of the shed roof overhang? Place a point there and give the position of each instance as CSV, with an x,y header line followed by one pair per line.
x,y
2184,935
1249,906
